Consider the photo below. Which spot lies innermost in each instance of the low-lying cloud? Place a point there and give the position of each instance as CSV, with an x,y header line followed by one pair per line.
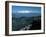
x,y
24,11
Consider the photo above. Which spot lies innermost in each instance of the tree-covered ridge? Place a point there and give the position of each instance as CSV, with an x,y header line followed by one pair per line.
x,y
19,23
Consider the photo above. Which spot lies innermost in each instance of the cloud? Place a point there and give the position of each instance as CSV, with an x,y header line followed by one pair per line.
x,y
24,11
27,11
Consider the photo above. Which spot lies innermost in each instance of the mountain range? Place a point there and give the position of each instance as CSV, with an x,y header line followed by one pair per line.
x,y
18,15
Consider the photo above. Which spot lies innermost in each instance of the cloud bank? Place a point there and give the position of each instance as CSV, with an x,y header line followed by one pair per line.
x,y
24,11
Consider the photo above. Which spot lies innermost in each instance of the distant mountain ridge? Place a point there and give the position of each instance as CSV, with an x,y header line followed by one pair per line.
x,y
18,15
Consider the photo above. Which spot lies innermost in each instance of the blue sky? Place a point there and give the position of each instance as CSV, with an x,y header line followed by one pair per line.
x,y
25,10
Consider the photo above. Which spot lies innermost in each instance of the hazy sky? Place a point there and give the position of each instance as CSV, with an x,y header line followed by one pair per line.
x,y
25,10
